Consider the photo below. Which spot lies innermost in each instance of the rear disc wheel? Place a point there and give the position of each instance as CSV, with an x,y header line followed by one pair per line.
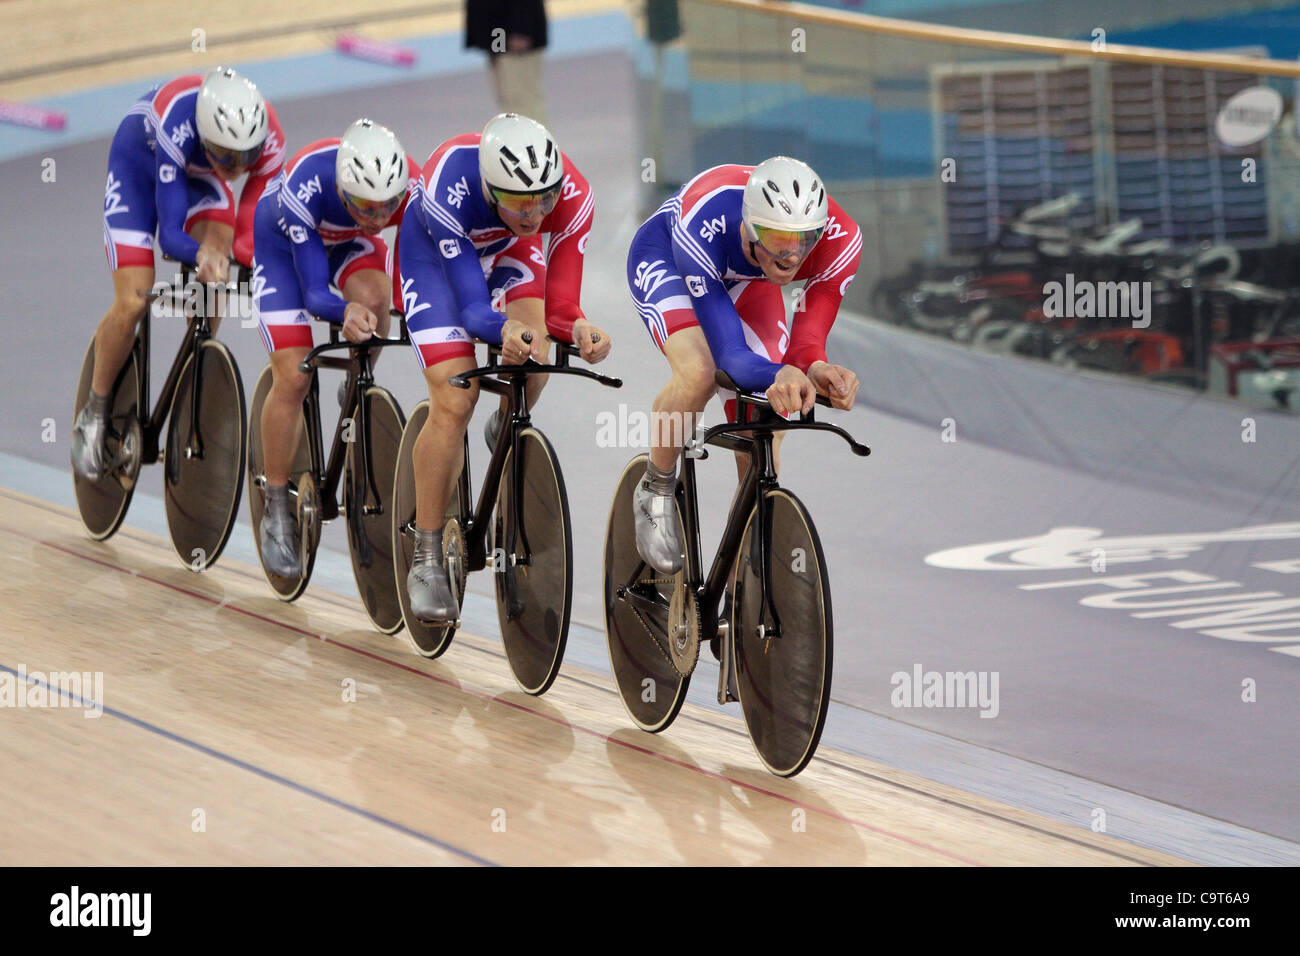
x,y
102,504
637,612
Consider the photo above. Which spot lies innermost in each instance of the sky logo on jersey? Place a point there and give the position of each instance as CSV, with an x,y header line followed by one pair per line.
x,y
449,248
298,234
457,192
714,227
410,300
309,188
833,230
113,196
569,191
649,276
182,133
695,285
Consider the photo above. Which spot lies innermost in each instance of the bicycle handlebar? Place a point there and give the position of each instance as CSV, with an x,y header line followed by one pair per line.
x,y
780,424
565,350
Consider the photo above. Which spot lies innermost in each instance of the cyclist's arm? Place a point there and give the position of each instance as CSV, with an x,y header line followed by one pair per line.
x,y
311,262
268,166
464,274
564,260
172,200
175,144
718,318
836,264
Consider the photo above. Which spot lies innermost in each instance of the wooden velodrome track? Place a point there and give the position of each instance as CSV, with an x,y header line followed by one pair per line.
x,y
220,699
226,737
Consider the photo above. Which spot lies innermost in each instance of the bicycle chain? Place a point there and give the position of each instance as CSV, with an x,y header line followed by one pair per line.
x,y
645,627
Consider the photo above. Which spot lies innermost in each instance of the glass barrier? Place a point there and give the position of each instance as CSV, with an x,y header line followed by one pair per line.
x,y
1141,218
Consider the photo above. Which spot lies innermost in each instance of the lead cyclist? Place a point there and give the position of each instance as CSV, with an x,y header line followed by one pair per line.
x,y
706,273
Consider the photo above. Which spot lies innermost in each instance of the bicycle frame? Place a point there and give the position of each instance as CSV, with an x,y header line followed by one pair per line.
x,y
511,384
360,376
197,332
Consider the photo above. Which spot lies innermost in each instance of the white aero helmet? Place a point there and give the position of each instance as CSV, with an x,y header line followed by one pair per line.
x,y
370,165
518,155
784,196
231,116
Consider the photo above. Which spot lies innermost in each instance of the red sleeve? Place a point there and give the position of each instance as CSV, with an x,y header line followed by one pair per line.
x,y
830,268
569,226
267,168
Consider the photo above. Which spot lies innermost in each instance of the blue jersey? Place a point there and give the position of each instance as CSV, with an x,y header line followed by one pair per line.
x,y
303,206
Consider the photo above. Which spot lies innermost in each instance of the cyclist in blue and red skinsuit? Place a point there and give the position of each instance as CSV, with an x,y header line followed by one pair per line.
x,y
170,167
317,225
472,266
706,272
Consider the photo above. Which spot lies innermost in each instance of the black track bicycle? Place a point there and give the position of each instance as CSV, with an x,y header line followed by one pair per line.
x,y
363,455
520,526
199,418
775,642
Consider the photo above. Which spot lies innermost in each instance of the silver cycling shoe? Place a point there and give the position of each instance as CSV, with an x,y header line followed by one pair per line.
x,y
658,539
88,451
428,588
279,540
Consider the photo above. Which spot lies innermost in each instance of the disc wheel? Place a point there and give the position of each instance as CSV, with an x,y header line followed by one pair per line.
x,y
102,504
427,640
286,589
637,609
203,473
533,563
784,683
369,513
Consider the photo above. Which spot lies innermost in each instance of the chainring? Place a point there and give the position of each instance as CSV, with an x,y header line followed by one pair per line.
x,y
683,627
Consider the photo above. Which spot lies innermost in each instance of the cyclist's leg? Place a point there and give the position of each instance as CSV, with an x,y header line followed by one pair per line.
x,y
437,452
129,224
664,306
286,331
679,403
442,350
130,221
662,301
211,219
